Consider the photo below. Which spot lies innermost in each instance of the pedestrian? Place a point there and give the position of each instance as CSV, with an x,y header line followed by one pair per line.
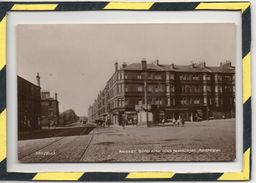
x,y
123,123
163,121
182,121
179,121
173,121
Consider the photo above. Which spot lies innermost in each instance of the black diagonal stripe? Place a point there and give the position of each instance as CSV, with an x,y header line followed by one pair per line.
x,y
3,89
246,31
79,6
247,117
2,167
196,177
20,176
4,7
103,176
4,175
174,6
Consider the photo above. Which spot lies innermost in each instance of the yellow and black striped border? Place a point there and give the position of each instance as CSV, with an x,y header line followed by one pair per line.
x,y
243,7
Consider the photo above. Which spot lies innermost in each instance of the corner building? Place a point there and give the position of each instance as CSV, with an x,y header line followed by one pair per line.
x,y
191,92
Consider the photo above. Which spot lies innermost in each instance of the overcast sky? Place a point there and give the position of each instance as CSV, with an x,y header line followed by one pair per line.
x,y
77,60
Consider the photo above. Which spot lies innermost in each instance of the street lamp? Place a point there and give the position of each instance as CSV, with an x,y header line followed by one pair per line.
x,y
146,96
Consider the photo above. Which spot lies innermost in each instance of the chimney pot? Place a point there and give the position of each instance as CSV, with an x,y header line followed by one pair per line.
x,y
144,64
38,79
56,96
124,65
172,66
116,66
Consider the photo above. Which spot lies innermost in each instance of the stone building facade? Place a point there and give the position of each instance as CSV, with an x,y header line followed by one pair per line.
x,y
191,92
29,104
49,109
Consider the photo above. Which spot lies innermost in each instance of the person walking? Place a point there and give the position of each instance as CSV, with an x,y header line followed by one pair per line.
x,y
182,121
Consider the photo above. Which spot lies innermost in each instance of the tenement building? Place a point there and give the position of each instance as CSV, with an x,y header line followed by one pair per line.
x,y
36,108
49,109
29,104
154,93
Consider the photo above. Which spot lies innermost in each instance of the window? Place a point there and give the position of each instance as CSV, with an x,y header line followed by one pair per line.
x,y
209,89
192,89
150,76
228,78
118,89
150,88
220,89
122,87
221,101
159,88
169,101
217,101
187,89
196,101
216,77
140,89
158,76
195,77
171,76
184,100
171,88
205,100
167,88
216,89
167,75
138,76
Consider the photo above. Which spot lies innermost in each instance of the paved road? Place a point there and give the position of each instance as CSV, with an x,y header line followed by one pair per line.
x,y
202,141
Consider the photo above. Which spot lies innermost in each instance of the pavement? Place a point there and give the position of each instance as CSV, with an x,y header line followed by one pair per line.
x,y
212,140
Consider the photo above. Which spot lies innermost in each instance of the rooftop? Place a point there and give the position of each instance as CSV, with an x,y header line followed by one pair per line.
x,y
194,67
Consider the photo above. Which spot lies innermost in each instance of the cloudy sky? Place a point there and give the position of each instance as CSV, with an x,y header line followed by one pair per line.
x,y
77,60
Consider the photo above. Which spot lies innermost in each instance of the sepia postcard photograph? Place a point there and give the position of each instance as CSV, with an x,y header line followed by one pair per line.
x,y
145,92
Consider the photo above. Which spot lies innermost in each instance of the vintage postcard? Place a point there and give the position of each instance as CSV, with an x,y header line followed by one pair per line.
x,y
126,92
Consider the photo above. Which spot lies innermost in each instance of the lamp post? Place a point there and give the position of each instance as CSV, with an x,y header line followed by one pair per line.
x,y
146,99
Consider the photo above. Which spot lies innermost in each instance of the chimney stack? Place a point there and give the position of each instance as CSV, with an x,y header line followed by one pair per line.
x,y
227,63
144,64
56,96
157,62
172,66
116,66
202,64
38,79
124,65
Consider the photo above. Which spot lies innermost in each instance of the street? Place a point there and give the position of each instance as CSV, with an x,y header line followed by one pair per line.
x,y
212,140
